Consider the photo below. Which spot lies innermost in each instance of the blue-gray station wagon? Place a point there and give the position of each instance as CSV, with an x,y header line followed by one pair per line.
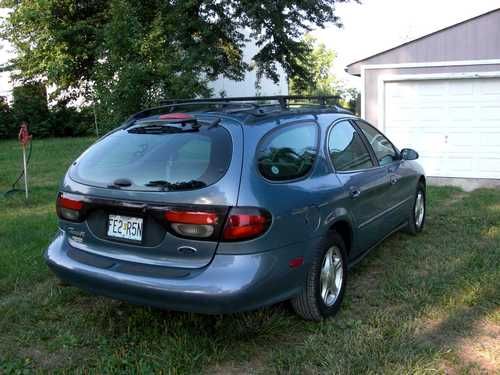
x,y
227,205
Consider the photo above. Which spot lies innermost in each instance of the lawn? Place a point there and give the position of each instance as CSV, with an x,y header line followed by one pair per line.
x,y
425,304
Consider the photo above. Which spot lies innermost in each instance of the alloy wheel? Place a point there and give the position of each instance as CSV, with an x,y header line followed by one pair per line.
x,y
331,276
419,209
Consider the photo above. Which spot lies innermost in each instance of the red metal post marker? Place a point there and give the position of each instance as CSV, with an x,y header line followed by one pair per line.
x,y
24,140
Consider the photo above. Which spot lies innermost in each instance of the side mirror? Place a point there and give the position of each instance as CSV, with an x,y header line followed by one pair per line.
x,y
409,154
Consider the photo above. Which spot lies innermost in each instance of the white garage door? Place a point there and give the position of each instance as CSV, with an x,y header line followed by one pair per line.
x,y
454,124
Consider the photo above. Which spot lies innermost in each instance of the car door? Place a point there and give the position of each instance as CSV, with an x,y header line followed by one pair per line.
x,y
388,159
365,183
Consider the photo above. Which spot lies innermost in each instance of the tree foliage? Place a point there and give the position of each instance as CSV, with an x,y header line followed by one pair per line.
x,y
318,64
320,80
7,124
125,54
30,105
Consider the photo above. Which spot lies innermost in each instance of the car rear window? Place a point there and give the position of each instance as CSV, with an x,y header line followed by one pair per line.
x,y
172,159
288,152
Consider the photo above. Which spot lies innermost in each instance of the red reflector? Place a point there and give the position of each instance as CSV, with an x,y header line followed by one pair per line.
x,y
245,226
191,217
71,204
296,262
176,116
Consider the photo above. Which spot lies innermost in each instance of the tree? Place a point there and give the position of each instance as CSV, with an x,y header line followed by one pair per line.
x,y
7,124
125,54
319,79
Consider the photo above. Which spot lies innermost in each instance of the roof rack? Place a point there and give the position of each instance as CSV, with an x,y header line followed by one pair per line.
x,y
250,102
283,100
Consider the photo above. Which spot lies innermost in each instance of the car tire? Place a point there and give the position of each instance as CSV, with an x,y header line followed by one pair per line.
x,y
416,218
323,291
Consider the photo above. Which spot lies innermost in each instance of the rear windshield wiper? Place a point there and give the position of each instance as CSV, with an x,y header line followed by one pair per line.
x,y
155,128
169,186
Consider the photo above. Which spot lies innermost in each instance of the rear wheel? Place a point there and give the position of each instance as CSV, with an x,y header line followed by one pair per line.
x,y
325,284
416,218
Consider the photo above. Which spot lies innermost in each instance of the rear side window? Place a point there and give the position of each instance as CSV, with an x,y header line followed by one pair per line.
x,y
167,161
383,149
288,153
346,148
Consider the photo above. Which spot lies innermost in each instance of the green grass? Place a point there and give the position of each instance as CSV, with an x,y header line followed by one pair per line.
x,y
422,304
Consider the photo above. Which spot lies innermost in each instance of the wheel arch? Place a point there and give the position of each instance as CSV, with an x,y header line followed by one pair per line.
x,y
422,180
344,228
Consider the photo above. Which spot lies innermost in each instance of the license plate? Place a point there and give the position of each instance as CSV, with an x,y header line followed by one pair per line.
x,y
125,227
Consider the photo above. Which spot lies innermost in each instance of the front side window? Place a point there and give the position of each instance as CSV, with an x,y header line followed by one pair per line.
x,y
383,149
346,148
289,152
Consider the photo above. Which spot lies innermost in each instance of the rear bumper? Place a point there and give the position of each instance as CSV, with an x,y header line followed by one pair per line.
x,y
230,283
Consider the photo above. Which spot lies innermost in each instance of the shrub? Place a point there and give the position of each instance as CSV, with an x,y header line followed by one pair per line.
x,y
30,105
71,122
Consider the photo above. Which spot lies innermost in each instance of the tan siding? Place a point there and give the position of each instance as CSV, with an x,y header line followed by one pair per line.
x,y
477,39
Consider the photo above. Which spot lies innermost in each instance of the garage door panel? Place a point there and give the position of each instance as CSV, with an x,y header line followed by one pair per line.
x,y
430,113
488,86
490,140
490,113
464,113
466,89
454,124
459,164
402,113
489,167
418,139
433,163
461,141
433,88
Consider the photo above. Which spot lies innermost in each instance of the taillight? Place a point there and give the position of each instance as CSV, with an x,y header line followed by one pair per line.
x,y
244,223
196,224
70,207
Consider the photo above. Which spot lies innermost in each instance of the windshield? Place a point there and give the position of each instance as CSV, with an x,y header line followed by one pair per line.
x,y
157,160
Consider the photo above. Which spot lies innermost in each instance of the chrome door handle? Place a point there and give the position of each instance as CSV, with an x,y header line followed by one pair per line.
x,y
355,192
394,180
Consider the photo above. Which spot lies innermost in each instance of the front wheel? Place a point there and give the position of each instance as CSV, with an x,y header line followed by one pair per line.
x,y
416,219
326,280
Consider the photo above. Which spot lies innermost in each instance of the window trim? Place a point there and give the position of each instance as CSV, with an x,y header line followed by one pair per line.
x,y
349,120
281,127
396,150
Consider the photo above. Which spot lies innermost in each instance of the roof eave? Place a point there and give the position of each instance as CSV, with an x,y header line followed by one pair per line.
x,y
349,68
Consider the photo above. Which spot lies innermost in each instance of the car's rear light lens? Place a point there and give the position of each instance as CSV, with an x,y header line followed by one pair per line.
x,y
244,223
192,217
197,224
70,207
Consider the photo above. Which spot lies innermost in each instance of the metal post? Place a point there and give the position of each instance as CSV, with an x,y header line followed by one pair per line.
x,y
25,173
95,121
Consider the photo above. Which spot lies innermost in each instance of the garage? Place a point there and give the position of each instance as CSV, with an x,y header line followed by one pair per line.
x,y
453,123
440,94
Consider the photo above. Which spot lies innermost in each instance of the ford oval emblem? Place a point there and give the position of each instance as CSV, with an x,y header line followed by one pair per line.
x,y
187,250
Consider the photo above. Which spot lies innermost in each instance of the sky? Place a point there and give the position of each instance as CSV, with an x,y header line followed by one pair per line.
x,y
376,25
